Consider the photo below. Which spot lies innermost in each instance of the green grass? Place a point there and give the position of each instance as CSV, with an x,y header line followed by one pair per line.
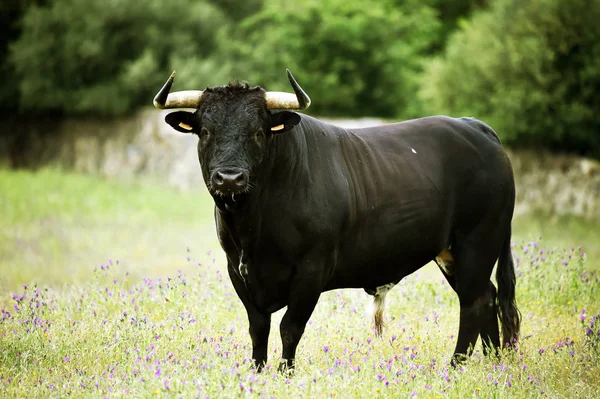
x,y
54,227
561,231
161,319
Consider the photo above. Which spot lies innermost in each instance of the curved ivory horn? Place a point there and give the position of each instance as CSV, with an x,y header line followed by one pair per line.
x,y
178,99
281,100
192,98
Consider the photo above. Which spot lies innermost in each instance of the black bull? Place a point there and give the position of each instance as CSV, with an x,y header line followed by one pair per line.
x,y
304,207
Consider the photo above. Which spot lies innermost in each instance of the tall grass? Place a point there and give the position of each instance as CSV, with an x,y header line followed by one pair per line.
x,y
126,328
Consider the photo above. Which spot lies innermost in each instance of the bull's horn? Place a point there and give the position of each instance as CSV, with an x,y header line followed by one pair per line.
x,y
178,99
280,100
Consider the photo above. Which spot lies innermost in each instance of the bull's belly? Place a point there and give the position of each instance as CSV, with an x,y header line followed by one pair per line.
x,y
377,270
388,246
386,254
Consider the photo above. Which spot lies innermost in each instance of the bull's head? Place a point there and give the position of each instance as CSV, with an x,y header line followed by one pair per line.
x,y
234,124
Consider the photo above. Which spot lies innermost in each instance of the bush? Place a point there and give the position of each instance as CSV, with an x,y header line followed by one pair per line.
x,y
105,57
353,57
11,12
530,69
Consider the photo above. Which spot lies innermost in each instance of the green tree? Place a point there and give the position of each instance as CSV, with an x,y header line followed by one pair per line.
x,y
530,69
11,12
237,10
354,57
106,56
451,13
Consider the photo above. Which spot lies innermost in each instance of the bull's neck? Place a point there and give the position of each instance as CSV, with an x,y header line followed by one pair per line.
x,y
293,155
291,167
287,160
295,162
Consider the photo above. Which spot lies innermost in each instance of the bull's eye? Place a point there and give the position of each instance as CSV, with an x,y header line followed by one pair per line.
x,y
259,134
203,133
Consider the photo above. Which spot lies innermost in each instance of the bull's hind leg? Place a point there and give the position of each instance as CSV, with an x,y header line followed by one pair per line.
x,y
473,264
471,301
490,334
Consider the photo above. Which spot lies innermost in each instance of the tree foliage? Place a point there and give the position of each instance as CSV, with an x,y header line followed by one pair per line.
x,y
531,69
451,14
11,12
354,57
105,56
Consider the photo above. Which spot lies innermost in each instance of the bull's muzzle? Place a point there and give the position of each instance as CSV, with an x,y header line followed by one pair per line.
x,y
229,181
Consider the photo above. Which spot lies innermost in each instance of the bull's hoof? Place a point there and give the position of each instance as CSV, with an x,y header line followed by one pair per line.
x,y
259,366
458,359
493,353
286,367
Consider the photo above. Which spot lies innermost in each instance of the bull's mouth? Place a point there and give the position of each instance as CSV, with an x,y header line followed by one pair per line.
x,y
231,200
233,196
232,192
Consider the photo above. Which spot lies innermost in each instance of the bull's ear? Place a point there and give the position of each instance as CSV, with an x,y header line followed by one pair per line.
x,y
181,121
283,121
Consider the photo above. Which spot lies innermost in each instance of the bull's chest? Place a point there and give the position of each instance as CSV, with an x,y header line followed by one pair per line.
x,y
261,257
266,280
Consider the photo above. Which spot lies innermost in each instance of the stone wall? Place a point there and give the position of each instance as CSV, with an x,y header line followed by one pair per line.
x,y
143,146
562,184
138,146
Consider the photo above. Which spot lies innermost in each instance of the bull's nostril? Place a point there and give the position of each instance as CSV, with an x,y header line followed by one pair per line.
x,y
240,180
218,179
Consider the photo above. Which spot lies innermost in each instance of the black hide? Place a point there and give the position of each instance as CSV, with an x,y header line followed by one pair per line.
x,y
329,208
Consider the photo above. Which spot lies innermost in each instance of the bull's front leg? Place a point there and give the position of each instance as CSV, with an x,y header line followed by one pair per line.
x,y
259,323
304,294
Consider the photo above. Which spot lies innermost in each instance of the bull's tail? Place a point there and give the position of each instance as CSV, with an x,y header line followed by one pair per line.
x,y
379,306
510,317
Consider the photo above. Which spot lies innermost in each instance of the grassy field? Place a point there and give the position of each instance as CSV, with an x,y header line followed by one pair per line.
x,y
54,227
120,290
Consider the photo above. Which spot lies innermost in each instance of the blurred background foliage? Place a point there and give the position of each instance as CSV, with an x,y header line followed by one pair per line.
x,y
530,69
